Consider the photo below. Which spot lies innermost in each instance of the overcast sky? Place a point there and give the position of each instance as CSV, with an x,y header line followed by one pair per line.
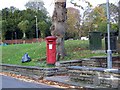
x,y
49,4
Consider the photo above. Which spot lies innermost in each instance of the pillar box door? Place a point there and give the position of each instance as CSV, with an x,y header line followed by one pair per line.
x,y
51,49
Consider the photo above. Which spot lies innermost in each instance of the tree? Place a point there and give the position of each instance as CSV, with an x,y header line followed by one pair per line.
x,y
119,27
75,3
23,25
119,20
36,5
113,15
11,21
58,27
42,26
12,17
113,12
87,21
0,26
95,19
3,29
73,23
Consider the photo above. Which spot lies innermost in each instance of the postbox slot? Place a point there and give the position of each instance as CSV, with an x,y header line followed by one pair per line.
x,y
50,41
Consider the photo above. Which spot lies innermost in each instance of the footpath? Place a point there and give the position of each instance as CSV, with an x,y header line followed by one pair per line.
x,y
91,70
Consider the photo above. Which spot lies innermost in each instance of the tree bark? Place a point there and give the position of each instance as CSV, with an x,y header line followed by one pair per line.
x,y
58,27
118,46
24,37
119,21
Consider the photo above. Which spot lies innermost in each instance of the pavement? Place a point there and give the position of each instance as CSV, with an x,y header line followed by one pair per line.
x,y
62,79
10,82
66,80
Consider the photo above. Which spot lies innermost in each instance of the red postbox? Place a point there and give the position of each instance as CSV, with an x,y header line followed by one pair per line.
x,y
51,49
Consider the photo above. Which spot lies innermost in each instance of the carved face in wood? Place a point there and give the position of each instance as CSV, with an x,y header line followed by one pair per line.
x,y
58,19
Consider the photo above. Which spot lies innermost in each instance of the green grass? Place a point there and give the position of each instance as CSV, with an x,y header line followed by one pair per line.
x,y
12,54
77,49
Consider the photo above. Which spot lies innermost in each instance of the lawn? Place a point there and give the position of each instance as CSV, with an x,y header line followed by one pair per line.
x,y
76,49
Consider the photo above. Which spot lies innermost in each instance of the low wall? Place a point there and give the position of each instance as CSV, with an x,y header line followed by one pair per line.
x,y
64,64
30,71
95,77
37,72
71,63
101,61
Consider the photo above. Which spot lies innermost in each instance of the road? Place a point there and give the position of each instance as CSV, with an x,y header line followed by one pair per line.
x,y
9,82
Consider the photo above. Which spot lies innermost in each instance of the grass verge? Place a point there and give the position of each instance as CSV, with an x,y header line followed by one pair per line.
x,y
76,49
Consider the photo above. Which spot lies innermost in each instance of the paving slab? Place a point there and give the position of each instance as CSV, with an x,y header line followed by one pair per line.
x,y
62,79
66,80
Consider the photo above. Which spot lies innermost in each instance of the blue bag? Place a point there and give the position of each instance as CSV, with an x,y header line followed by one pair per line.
x,y
26,58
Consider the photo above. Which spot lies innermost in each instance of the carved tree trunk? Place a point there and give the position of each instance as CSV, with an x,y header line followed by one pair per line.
x,y
119,19
119,27
58,27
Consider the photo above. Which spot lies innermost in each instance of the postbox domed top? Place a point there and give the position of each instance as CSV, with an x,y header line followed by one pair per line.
x,y
51,38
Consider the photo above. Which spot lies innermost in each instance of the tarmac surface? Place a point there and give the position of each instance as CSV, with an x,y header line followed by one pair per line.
x,y
9,82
